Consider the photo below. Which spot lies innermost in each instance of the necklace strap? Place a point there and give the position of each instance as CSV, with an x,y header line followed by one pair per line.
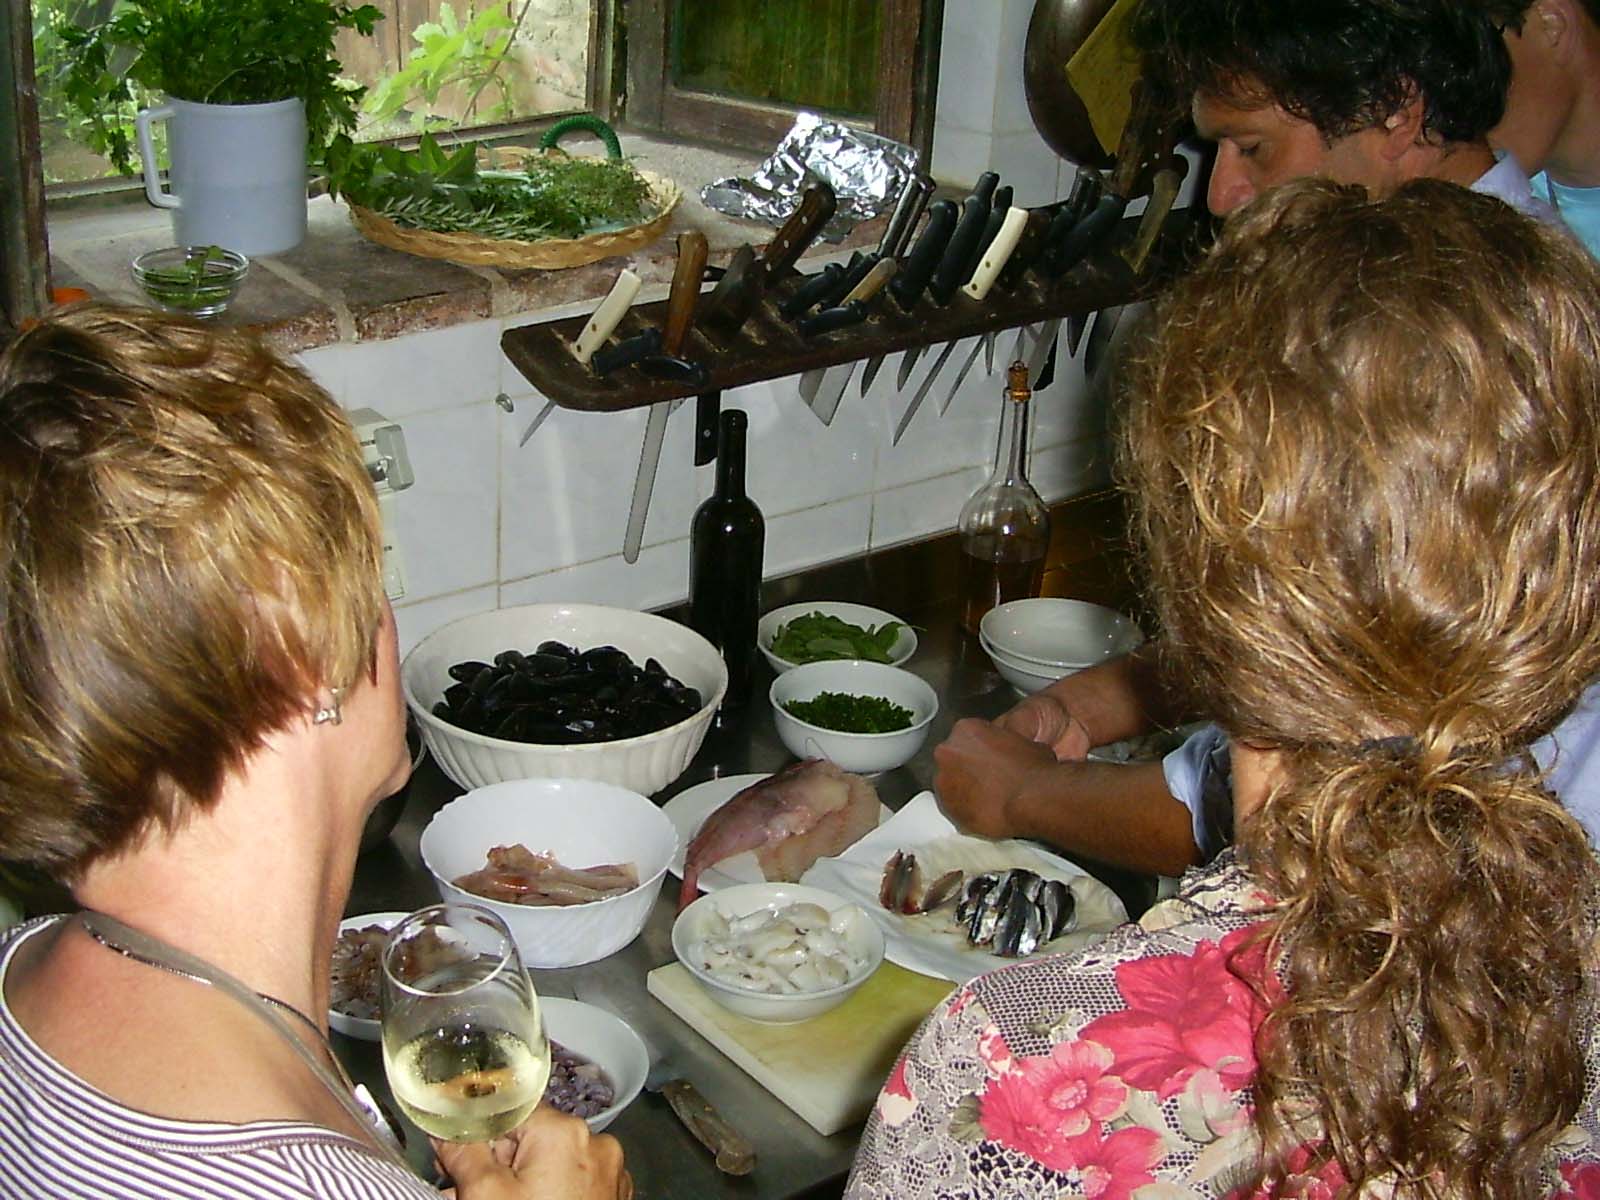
x,y
144,948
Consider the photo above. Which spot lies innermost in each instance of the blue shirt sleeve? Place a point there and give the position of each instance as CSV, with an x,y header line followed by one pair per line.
x,y
1199,775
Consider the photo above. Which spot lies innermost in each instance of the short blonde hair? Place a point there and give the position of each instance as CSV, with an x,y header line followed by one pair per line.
x,y
189,551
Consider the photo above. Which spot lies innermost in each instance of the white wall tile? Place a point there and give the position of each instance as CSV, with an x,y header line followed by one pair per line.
x,y
1011,36
415,621
660,577
793,461
566,493
959,156
919,510
817,535
1028,165
1070,469
968,66
446,521
437,369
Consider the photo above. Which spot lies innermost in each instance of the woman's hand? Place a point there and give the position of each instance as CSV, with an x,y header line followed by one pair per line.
x,y
550,1156
1044,719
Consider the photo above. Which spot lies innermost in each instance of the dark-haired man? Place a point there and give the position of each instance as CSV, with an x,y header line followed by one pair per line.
x,y
1372,92
1375,92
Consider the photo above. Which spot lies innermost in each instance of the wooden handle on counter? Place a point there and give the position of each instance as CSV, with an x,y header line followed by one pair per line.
x,y
735,1156
685,294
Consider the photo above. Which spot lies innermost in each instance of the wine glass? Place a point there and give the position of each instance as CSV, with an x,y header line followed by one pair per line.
x,y
464,1044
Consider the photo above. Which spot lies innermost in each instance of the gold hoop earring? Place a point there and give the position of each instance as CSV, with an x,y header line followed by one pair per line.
x,y
332,714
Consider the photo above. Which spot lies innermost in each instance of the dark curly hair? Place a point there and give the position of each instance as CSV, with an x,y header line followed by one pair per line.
x,y
1343,65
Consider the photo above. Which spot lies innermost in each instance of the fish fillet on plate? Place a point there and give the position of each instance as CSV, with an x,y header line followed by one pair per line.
x,y
769,827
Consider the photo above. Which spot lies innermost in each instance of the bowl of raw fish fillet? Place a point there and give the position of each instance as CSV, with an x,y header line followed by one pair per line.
x,y
777,953
645,763
567,850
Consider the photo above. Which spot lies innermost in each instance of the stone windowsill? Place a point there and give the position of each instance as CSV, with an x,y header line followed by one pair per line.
x,y
337,286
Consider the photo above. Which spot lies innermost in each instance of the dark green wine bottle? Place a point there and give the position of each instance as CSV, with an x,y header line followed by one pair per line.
x,y
725,547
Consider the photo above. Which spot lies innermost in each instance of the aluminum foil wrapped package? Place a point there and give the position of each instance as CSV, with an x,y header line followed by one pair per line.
x,y
865,170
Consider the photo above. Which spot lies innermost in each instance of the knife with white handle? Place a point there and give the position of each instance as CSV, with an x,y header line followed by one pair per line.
x,y
994,258
607,317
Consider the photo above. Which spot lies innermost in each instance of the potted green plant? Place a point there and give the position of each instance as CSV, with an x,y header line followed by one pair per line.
x,y
253,93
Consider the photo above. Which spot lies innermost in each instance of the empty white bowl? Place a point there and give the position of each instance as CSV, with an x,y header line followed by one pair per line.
x,y
605,1040
1025,678
904,646
582,823
642,764
861,753
860,935
1053,632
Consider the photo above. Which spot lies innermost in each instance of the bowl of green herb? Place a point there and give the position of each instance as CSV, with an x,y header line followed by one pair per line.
x,y
198,280
829,630
866,717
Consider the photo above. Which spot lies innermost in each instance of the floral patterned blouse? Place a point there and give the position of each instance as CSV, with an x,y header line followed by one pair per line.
x,y
1120,1072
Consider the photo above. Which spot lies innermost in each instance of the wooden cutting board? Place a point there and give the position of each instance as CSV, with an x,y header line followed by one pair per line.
x,y
828,1069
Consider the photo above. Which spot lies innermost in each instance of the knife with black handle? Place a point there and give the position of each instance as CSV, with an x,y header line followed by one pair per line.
x,y
954,267
913,198
806,297
852,310
1029,247
999,206
919,266
738,292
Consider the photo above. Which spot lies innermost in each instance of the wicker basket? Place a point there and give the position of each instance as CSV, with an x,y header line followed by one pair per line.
x,y
473,250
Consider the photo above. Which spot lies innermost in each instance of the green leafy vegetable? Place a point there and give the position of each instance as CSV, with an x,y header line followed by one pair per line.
x,y
443,190
845,713
212,52
818,636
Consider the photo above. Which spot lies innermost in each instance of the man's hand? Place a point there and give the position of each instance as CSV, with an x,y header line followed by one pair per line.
x,y
550,1156
979,774
1044,719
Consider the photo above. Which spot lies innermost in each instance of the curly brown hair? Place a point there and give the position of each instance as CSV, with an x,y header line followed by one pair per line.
x,y
1364,452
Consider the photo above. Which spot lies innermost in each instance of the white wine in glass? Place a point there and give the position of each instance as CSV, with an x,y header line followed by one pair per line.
x,y
463,1041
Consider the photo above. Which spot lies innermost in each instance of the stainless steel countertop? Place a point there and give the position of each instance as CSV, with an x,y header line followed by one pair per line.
x,y
666,1162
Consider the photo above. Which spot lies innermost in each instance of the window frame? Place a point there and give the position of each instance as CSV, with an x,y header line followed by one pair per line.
x,y
907,82
24,250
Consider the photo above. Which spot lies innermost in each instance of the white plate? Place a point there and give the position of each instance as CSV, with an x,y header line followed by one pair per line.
x,y
930,943
361,1027
688,811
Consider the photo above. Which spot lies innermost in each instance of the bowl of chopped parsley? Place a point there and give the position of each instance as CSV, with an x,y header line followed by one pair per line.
x,y
833,630
867,717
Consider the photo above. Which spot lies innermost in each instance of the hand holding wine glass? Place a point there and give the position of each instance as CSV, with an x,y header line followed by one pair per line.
x,y
464,1044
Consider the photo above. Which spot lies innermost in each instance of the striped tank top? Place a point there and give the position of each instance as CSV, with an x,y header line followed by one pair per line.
x,y
61,1139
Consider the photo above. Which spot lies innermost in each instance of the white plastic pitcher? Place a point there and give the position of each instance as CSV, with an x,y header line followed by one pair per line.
x,y
238,176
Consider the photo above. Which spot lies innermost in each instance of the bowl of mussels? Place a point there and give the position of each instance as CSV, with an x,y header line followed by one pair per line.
x,y
564,691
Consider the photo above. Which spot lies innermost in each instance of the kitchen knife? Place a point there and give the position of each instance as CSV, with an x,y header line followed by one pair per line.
x,y
733,1152
1163,193
922,391
1029,247
825,397
999,207
961,375
681,301
912,280
607,316
852,310
998,252
736,295
539,419
626,352
898,230
806,296
954,267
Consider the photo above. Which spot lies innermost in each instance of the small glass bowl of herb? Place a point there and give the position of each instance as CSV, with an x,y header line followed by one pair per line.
x,y
828,630
200,281
867,717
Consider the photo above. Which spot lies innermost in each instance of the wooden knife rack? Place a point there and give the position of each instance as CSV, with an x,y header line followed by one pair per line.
x,y
768,347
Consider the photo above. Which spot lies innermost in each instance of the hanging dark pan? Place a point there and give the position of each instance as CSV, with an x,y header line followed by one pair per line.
x,y
1056,32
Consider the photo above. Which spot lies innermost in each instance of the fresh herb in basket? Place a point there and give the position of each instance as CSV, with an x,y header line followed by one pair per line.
x,y
818,636
554,196
845,713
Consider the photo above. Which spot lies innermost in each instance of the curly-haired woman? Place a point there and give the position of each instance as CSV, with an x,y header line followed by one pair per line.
x,y
1364,453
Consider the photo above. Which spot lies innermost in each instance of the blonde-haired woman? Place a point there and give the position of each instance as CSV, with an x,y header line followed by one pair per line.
x,y
1364,453
198,708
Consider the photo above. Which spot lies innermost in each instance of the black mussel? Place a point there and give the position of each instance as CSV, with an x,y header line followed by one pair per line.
x,y
466,672
605,658
609,694
653,669
558,648
543,663
483,681
456,695
442,711
508,660
510,723
682,697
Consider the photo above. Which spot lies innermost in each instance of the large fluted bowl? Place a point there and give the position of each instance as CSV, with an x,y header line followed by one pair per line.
x,y
644,764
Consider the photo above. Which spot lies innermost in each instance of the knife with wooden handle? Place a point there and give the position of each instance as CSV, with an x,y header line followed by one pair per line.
x,y
739,291
734,1155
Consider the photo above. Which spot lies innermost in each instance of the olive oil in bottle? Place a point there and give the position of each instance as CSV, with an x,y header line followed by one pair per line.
x,y
725,547
1004,526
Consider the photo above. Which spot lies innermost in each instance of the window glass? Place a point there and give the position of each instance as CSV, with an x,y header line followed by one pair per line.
x,y
813,54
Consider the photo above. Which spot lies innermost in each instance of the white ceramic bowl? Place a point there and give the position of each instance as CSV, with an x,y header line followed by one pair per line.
x,y
581,822
1054,632
861,935
1027,678
368,1029
862,753
605,1040
905,643
642,764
